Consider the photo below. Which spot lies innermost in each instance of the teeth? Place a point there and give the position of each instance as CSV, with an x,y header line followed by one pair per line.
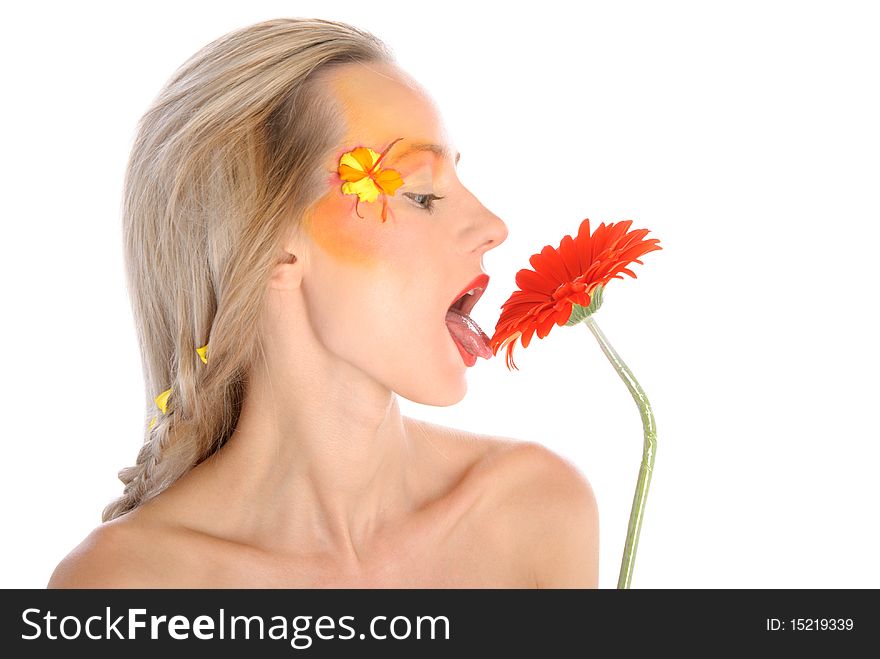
x,y
463,300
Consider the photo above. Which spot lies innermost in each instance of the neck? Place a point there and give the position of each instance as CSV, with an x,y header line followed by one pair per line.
x,y
320,458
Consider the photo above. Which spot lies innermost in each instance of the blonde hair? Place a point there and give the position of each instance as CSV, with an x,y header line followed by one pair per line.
x,y
224,165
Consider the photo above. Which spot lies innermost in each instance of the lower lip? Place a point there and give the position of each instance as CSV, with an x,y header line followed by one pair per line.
x,y
469,359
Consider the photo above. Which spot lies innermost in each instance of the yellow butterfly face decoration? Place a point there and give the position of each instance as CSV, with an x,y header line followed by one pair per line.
x,y
362,175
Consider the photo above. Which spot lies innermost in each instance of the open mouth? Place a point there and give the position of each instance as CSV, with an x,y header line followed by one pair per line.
x,y
466,302
471,340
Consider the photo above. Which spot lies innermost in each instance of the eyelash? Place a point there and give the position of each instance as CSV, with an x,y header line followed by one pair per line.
x,y
430,202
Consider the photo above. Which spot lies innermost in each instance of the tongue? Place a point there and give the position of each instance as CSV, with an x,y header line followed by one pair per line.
x,y
468,333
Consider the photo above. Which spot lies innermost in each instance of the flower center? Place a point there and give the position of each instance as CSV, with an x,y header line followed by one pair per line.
x,y
567,289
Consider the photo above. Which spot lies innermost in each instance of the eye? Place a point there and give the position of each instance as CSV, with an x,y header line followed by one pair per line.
x,y
427,204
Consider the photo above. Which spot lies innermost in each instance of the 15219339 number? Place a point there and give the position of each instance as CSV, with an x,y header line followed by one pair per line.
x,y
822,624
809,624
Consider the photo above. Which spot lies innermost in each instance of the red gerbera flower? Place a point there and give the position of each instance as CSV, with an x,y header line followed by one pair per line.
x,y
565,277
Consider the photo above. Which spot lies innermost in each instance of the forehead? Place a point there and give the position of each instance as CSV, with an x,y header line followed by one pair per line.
x,y
380,103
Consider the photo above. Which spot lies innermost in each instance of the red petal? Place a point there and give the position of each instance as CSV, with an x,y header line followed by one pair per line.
x,y
535,281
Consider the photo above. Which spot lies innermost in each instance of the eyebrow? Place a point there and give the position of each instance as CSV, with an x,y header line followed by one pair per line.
x,y
436,149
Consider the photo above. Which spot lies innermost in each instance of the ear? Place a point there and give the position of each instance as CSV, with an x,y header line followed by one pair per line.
x,y
288,273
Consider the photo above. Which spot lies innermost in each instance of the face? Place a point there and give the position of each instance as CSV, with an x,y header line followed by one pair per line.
x,y
377,292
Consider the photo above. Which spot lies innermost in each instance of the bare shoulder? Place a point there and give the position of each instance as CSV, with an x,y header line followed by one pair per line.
x,y
517,470
549,506
532,502
110,556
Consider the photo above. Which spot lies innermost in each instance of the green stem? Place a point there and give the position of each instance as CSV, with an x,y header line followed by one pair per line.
x,y
647,465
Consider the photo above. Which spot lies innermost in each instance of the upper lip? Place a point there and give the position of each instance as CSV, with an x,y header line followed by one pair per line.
x,y
480,282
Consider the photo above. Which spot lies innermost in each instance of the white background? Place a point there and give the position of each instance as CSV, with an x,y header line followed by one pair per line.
x,y
744,135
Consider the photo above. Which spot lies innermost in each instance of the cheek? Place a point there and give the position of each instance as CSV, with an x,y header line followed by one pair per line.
x,y
336,228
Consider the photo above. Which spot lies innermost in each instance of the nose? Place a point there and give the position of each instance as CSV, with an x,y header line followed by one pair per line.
x,y
490,230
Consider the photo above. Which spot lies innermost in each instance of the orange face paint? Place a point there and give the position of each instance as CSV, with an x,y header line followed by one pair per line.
x,y
334,227
336,224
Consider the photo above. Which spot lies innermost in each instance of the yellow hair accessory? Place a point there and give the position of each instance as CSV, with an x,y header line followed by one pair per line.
x,y
162,399
360,170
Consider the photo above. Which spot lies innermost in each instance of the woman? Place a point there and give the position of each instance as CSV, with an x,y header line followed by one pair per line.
x,y
281,309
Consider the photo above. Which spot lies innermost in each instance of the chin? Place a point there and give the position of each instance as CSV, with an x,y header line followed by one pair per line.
x,y
440,381
437,392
